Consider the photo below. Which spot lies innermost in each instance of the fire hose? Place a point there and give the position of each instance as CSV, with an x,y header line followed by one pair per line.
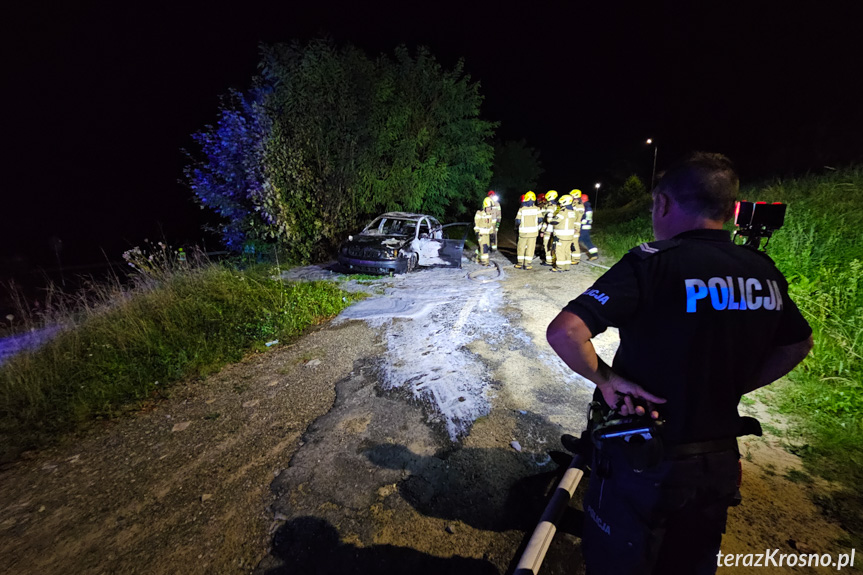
x,y
475,275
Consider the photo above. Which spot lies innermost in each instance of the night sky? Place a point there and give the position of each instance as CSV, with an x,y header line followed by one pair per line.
x,y
100,98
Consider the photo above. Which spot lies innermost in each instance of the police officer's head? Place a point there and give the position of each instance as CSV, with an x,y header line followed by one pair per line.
x,y
699,191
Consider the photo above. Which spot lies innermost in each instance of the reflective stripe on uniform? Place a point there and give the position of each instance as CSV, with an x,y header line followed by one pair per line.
x,y
529,220
565,227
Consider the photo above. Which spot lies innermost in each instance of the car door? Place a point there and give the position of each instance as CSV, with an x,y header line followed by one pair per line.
x,y
442,246
434,248
453,238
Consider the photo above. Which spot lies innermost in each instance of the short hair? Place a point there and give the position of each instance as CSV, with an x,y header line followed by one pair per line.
x,y
702,183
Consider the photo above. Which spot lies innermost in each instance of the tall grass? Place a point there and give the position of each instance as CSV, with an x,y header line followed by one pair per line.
x,y
615,239
820,251
120,345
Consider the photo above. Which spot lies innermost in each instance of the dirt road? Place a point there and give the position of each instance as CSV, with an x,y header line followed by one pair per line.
x,y
409,436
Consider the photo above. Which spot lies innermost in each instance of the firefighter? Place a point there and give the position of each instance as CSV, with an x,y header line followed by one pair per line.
x,y
497,217
527,222
586,224
578,208
563,225
545,229
483,224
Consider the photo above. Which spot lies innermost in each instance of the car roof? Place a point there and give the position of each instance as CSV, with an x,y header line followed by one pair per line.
x,y
405,215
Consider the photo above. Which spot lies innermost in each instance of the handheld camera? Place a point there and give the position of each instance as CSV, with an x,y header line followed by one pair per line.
x,y
756,220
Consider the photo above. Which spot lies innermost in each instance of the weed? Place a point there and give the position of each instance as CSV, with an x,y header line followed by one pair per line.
x,y
125,344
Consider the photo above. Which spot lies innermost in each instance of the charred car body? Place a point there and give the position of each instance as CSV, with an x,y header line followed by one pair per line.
x,y
399,242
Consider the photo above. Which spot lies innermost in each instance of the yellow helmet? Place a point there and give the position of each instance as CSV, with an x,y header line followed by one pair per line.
x,y
565,200
575,194
529,197
551,195
487,202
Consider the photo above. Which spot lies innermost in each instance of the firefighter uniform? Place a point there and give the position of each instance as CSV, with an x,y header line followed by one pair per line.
x,y
483,223
697,317
564,223
584,240
527,221
578,208
545,230
496,214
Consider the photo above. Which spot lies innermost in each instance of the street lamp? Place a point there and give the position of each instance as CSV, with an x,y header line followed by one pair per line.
x,y
655,152
596,198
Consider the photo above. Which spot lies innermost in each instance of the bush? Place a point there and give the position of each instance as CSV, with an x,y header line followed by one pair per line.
x,y
821,252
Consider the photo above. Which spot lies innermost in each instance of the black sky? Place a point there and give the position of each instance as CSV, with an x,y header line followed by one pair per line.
x,y
99,98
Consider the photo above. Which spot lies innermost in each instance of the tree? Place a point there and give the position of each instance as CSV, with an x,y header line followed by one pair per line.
x,y
516,168
329,137
230,177
631,189
320,102
431,149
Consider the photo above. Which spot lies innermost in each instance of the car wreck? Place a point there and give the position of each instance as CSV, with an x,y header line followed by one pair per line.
x,y
399,242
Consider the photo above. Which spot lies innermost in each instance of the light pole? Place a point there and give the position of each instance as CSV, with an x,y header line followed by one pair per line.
x,y
596,200
655,152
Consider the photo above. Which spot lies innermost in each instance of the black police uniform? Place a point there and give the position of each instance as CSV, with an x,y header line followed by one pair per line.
x,y
697,315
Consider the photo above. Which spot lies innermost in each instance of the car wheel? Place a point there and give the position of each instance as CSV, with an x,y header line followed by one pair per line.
x,y
412,263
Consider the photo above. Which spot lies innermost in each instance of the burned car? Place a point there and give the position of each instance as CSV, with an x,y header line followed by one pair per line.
x,y
399,242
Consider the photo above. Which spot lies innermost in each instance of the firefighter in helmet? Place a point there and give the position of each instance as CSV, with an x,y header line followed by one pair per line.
x,y
495,199
578,208
564,223
527,222
546,227
483,224
586,225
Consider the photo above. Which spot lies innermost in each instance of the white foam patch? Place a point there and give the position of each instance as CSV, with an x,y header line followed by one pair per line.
x,y
428,252
312,273
430,317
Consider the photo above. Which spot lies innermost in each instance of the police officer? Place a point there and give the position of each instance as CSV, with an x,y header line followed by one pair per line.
x,y
702,321
586,225
527,222
483,223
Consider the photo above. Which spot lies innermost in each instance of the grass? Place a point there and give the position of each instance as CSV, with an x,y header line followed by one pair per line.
x,y
797,476
122,345
617,230
820,251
